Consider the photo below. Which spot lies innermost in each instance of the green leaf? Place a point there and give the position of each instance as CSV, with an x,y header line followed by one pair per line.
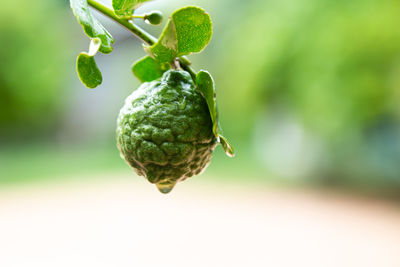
x,y
147,69
125,8
188,31
87,69
205,84
91,25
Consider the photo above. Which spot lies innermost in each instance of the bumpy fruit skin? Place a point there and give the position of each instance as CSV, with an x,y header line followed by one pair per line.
x,y
164,130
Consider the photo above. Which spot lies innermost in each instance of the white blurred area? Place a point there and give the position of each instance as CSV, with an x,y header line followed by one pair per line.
x,y
121,220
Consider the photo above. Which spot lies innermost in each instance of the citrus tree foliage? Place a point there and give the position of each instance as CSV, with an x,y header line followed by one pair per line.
x,y
147,69
91,26
126,7
188,31
86,66
206,85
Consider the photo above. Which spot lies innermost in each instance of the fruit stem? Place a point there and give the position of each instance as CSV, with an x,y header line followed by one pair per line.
x,y
138,32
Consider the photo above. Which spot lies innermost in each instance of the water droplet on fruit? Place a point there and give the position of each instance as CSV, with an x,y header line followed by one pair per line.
x,y
165,188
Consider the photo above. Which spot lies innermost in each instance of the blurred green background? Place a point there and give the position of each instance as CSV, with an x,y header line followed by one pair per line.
x,y
308,91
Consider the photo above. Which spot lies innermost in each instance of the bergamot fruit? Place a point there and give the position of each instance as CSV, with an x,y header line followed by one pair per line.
x,y
164,130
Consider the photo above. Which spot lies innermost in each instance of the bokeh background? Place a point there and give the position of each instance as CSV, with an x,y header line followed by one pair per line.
x,y
308,94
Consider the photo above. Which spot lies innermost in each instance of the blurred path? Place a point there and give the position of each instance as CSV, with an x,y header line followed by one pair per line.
x,y
123,221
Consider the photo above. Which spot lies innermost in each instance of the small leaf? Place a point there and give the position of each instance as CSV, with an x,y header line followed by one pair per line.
x,y
87,69
205,84
91,25
147,69
125,8
188,31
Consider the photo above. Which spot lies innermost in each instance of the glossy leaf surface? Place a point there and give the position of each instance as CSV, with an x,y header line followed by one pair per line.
x,y
205,84
125,8
147,69
87,69
91,26
189,30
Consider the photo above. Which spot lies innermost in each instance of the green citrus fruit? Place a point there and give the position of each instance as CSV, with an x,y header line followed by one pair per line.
x,y
164,130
